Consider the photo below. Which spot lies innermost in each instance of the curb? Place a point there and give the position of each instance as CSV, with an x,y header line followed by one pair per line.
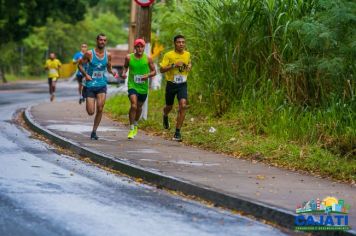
x,y
259,210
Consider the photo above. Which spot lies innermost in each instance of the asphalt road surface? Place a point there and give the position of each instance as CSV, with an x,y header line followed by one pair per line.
x,y
46,193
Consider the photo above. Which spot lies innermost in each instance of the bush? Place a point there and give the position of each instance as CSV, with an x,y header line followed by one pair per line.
x,y
289,63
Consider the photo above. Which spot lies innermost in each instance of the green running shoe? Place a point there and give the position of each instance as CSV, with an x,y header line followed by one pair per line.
x,y
131,134
135,130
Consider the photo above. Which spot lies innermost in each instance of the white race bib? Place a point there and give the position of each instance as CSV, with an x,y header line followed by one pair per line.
x,y
138,79
178,79
53,71
97,75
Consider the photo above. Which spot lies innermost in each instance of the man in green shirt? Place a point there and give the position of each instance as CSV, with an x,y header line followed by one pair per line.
x,y
140,68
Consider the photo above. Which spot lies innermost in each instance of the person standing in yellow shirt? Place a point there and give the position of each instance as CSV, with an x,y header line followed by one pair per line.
x,y
176,64
52,66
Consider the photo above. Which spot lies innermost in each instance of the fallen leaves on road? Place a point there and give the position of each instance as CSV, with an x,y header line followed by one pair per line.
x,y
260,177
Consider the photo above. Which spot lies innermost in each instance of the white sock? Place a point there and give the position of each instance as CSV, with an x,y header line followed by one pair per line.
x,y
135,123
132,127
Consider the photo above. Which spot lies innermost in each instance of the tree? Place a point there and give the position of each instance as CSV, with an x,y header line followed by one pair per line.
x,y
18,17
64,39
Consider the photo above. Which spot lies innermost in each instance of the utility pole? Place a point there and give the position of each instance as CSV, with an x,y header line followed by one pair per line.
x,y
144,15
143,30
132,29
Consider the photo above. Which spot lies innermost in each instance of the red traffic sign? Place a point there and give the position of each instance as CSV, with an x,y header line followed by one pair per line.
x,y
144,3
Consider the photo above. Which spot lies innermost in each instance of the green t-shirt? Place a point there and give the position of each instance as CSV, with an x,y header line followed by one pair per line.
x,y
137,68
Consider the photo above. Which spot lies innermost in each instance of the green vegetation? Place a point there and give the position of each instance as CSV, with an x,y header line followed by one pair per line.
x,y
235,135
14,78
17,18
61,27
285,67
276,78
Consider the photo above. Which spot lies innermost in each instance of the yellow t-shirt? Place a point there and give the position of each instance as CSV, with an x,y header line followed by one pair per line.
x,y
176,74
53,68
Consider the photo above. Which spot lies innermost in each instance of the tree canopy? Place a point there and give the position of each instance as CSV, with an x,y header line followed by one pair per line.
x,y
29,29
17,17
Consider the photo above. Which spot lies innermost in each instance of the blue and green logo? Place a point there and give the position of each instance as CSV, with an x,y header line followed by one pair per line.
x,y
327,214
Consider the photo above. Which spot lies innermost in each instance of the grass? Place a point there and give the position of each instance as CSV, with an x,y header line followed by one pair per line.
x,y
239,133
271,66
13,77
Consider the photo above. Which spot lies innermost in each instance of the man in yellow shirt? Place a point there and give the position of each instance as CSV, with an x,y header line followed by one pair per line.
x,y
176,64
52,66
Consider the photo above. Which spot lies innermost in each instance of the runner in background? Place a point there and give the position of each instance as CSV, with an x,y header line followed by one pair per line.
x,y
52,66
77,56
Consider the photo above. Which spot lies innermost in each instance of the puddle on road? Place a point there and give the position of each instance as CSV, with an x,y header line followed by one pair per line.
x,y
106,139
194,163
143,150
80,128
68,122
182,162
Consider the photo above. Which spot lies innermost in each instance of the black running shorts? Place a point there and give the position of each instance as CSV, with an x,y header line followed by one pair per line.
x,y
92,92
173,90
140,97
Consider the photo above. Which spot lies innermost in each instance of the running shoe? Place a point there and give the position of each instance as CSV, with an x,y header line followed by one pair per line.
x,y
52,97
177,137
135,130
131,134
165,122
93,136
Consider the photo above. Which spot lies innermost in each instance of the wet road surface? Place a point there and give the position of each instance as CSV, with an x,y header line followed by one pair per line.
x,y
45,193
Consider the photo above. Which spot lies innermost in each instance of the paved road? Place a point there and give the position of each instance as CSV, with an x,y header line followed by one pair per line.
x,y
45,193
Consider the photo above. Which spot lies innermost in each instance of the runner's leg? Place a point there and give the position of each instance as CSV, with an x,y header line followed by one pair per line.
x,y
167,109
133,109
139,111
80,88
54,82
90,106
50,86
181,113
100,102
53,88
169,97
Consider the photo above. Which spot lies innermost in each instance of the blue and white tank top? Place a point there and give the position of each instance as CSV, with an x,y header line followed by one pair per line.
x,y
96,69
79,55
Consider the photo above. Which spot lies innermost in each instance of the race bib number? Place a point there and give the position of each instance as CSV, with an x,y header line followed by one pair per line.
x,y
53,71
178,79
138,79
98,75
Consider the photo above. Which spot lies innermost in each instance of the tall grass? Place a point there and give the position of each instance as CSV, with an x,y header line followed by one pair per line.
x,y
289,64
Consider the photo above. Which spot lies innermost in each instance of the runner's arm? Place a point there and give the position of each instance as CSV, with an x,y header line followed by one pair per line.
x,y
85,59
167,68
109,66
166,64
46,66
189,68
126,67
152,69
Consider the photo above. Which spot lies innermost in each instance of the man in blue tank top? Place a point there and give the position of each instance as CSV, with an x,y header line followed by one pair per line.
x,y
77,56
98,61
